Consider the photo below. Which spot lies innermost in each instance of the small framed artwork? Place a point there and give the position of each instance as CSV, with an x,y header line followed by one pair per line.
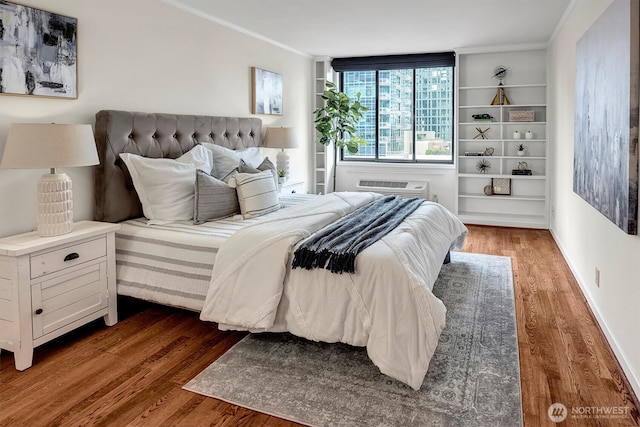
x,y
501,186
40,52
266,92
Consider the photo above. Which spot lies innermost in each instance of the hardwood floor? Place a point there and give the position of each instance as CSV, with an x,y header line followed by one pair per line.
x,y
132,373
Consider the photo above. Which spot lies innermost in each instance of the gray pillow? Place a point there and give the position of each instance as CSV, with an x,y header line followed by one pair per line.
x,y
214,199
264,166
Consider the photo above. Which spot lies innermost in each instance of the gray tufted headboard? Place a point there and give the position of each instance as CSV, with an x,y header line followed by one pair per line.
x,y
158,136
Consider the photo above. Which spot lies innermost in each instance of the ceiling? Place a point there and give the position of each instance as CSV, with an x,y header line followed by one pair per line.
x,y
339,28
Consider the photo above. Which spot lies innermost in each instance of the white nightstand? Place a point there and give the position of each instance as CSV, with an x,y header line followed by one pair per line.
x,y
52,285
292,187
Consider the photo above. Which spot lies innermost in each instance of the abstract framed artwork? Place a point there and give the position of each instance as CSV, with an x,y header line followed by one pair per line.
x,y
266,92
605,164
38,52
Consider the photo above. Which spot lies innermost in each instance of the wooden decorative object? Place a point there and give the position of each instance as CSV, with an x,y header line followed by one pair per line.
x,y
522,116
501,97
482,134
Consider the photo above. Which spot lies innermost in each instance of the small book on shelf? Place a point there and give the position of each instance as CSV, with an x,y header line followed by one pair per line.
x,y
521,172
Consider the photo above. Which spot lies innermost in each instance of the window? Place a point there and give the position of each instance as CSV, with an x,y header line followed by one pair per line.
x,y
410,101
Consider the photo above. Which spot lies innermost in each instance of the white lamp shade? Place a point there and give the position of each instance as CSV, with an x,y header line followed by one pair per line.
x,y
35,146
280,138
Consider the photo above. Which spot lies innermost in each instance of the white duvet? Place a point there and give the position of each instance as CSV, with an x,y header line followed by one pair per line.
x,y
386,306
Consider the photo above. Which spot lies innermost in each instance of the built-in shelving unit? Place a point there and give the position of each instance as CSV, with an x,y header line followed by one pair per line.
x,y
322,155
525,87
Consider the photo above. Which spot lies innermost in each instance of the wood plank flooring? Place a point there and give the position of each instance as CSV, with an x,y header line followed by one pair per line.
x,y
132,373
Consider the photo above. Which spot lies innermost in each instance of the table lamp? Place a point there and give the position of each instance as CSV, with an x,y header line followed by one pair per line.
x,y
281,138
38,146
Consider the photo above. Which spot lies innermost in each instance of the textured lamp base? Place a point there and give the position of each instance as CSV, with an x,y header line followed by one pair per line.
x,y
282,162
55,205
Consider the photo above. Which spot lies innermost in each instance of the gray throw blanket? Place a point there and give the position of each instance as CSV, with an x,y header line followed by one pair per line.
x,y
336,246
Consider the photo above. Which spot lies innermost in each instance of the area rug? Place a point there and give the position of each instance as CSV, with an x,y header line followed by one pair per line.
x,y
473,378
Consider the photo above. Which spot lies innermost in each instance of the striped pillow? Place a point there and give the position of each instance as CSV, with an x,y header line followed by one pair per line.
x,y
214,199
257,193
264,166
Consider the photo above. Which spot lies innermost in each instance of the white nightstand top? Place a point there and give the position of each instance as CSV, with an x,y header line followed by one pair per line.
x,y
291,184
25,243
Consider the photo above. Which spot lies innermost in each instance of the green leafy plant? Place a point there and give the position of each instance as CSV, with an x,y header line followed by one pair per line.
x,y
520,147
336,122
282,173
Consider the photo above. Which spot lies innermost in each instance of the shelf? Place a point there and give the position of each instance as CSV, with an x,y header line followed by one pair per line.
x,y
534,85
524,140
503,157
321,158
486,175
468,107
497,196
528,221
503,123
520,141
528,205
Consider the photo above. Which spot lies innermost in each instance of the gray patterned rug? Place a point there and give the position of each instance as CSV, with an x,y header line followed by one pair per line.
x,y
473,378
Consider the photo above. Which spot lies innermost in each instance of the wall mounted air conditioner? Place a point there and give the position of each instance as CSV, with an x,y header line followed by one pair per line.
x,y
401,188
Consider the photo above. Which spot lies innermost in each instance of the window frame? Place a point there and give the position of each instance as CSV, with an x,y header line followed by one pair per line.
x,y
397,62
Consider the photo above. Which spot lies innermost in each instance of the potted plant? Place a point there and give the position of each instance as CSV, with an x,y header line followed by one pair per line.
x,y
336,122
282,176
520,149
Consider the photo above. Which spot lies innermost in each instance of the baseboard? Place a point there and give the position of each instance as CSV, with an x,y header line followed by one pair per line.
x,y
630,378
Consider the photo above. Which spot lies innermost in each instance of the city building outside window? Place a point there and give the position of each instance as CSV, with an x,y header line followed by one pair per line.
x,y
410,117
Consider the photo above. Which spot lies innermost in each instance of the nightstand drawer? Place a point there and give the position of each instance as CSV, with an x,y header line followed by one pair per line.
x,y
66,298
292,187
68,256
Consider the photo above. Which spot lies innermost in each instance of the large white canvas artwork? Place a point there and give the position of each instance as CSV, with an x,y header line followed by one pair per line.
x,y
266,92
38,52
606,115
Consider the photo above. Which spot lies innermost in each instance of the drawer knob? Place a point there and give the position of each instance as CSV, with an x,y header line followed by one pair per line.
x,y
71,256
39,311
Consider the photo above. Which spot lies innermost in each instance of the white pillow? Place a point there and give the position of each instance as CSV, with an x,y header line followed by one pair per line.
x,y
200,157
252,156
226,161
257,193
166,186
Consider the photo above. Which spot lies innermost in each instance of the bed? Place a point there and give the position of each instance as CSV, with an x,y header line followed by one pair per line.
x,y
237,271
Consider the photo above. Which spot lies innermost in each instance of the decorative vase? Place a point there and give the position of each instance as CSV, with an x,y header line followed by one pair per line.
x,y
528,135
516,135
521,153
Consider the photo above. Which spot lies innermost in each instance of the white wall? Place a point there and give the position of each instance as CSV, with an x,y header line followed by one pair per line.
x,y
588,239
146,55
